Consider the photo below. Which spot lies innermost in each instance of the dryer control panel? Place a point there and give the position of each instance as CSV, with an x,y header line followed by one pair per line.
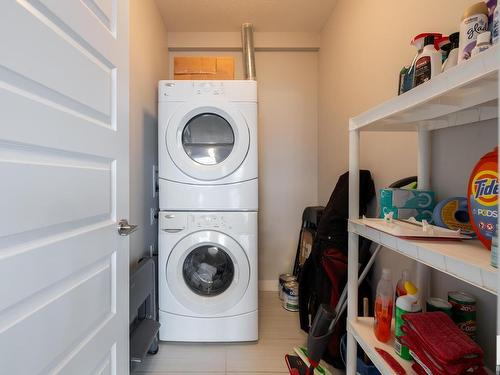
x,y
184,90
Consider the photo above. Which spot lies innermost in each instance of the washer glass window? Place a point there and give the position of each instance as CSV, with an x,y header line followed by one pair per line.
x,y
208,270
208,138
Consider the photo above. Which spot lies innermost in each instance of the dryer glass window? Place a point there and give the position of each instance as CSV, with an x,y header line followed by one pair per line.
x,y
208,139
208,270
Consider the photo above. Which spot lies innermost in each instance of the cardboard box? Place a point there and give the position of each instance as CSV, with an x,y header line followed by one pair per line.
x,y
204,67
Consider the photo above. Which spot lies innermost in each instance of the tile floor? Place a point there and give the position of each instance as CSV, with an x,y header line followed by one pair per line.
x,y
279,333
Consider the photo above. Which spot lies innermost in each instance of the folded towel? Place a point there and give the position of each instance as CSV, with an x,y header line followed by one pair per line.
x,y
435,366
441,337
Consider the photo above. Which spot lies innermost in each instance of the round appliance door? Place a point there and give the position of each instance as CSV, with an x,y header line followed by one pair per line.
x,y
207,142
208,272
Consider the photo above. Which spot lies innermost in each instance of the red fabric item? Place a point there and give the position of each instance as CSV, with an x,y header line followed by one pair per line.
x,y
395,366
334,263
418,369
469,366
441,337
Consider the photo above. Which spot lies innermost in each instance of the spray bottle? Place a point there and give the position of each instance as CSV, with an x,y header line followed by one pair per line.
x,y
428,63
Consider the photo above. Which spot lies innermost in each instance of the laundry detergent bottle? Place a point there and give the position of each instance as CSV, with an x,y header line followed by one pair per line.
x,y
384,304
482,197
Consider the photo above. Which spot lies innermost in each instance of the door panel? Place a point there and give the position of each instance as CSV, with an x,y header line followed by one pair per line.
x,y
87,298
30,56
57,186
64,185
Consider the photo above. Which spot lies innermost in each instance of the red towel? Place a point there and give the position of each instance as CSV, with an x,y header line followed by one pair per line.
x,y
441,337
418,369
435,366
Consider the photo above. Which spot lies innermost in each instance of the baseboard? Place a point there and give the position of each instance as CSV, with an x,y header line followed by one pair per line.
x,y
268,285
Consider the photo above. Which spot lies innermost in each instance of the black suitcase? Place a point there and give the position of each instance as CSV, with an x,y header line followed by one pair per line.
x,y
310,220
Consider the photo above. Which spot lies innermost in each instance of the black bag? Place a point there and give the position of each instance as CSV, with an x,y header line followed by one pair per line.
x,y
325,271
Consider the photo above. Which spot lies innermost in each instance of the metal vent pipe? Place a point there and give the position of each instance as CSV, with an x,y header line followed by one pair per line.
x,y
248,51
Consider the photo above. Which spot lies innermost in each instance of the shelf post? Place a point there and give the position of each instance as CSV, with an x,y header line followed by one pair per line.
x,y
353,256
424,183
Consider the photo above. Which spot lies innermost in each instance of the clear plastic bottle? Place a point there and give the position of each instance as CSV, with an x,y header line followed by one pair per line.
x,y
384,304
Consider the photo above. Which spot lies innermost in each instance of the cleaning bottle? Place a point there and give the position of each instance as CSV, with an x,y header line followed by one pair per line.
x,y
400,286
428,63
495,28
452,58
418,43
474,22
405,304
383,307
482,43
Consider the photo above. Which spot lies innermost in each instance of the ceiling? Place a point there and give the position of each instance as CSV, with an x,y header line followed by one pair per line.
x,y
228,15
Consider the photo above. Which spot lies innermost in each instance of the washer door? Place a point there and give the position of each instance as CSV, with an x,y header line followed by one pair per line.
x,y
208,272
207,142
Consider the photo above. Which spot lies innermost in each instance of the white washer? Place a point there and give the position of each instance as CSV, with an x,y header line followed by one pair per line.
x,y
208,289
207,145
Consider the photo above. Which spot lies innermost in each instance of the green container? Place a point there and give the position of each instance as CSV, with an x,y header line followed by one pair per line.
x,y
438,304
463,312
404,305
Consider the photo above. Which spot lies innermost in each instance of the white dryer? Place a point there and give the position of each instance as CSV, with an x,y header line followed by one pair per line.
x,y
208,288
208,145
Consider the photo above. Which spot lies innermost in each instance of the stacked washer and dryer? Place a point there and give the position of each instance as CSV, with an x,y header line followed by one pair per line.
x,y
208,177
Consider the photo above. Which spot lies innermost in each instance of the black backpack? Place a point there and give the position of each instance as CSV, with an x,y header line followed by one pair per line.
x,y
324,273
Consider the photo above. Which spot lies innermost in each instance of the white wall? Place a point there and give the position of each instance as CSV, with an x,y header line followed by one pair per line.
x,y
148,64
288,88
363,47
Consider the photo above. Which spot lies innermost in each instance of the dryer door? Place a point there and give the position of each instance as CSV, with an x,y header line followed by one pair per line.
x,y
207,142
208,272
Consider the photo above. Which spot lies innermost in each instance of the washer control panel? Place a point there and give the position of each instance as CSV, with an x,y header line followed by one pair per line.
x,y
209,221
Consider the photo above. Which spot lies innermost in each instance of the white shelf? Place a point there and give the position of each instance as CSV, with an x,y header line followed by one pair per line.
x,y
362,330
466,260
464,94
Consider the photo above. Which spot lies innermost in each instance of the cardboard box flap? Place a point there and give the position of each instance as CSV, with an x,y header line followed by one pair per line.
x,y
195,65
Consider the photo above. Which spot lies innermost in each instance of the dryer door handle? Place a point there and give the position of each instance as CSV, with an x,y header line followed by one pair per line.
x,y
173,230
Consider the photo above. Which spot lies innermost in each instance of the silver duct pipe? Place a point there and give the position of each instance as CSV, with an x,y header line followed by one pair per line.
x,y
248,51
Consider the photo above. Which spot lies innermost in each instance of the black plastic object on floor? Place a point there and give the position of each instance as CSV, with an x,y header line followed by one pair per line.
x,y
143,311
295,365
310,220
320,334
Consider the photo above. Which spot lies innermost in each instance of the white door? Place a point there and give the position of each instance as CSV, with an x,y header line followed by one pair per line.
x,y
63,186
207,140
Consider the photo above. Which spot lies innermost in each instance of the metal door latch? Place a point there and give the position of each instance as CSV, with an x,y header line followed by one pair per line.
x,y
124,228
